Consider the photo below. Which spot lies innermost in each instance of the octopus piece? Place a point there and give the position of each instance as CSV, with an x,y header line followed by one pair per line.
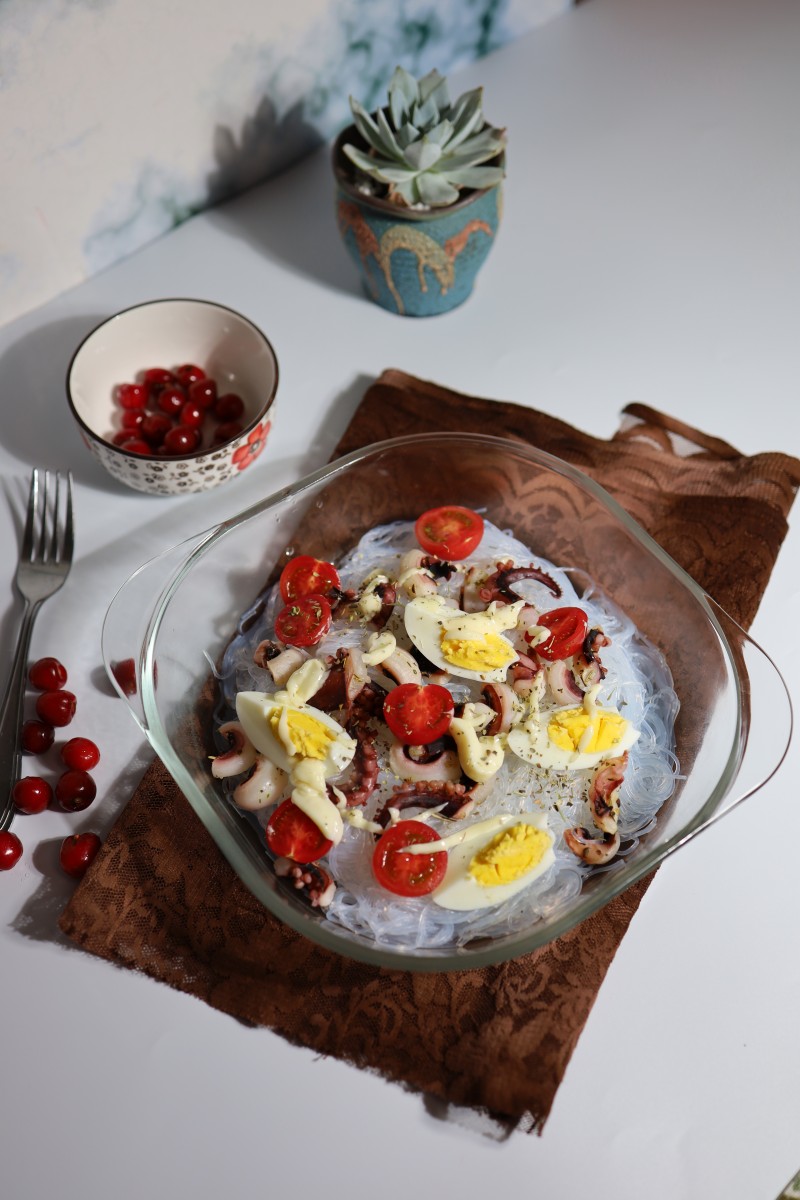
x,y
363,776
505,704
281,661
332,694
239,757
593,850
454,800
311,879
387,594
401,667
356,675
499,585
262,787
563,685
416,764
587,665
603,795
368,704
469,599
414,578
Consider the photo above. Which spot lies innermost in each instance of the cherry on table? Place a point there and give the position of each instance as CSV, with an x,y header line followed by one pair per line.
x,y
125,674
80,754
36,737
77,853
10,850
47,674
31,794
56,708
75,790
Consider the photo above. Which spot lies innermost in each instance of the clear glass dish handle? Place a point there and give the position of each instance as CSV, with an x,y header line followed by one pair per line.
x,y
128,619
767,717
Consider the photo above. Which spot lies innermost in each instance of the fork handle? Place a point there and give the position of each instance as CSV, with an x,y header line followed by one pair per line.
x,y
11,716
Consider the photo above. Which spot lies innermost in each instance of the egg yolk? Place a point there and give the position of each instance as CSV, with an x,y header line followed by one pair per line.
x,y
488,654
309,737
509,855
566,729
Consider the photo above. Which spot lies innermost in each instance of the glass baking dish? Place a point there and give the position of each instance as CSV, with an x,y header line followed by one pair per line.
x,y
176,615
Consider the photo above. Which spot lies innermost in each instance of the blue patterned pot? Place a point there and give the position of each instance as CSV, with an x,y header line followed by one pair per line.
x,y
417,264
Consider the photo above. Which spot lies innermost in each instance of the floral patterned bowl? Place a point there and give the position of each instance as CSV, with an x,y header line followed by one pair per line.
x,y
165,333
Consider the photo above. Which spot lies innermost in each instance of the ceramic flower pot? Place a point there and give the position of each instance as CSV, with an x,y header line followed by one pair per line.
x,y
417,264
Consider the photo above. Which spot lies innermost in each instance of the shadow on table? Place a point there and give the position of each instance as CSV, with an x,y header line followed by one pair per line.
x,y
291,220
42,430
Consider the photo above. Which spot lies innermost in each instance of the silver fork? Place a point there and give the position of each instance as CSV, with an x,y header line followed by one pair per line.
x,y
43,566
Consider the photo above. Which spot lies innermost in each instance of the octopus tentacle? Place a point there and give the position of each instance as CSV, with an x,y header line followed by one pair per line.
x,y
498,586
603,795
593,850
364,770
451,798
311,879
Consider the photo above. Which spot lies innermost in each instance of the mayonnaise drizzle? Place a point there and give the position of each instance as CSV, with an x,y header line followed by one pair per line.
x,y
311,797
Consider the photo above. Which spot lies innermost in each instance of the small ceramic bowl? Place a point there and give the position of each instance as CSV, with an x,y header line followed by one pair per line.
x,y
167,333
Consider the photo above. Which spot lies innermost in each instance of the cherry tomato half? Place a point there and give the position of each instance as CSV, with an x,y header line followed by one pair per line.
x,y
307,576
408,874
449,532
568,628
418,713
292,834
304,622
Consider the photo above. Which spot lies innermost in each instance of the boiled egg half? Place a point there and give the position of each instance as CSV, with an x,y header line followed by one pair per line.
x,y
287,733
573,738
492,860
470,645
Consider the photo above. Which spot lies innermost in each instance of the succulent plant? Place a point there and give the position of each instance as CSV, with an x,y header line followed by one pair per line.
x,y
422,148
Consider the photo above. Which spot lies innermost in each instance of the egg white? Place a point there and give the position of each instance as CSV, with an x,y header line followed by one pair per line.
x,y
460,892
531,741
427,617
254,710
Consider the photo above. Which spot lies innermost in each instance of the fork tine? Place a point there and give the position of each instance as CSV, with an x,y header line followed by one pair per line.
x,y
66,553
53,550
41,549
33,504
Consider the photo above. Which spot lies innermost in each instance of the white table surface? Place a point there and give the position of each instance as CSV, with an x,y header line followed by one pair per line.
x,y
650,251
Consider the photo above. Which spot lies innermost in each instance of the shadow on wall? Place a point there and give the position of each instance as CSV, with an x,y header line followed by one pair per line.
x,y
266,146
289,218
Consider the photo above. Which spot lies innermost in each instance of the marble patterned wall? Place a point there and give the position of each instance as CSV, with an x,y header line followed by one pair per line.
x,y
121,118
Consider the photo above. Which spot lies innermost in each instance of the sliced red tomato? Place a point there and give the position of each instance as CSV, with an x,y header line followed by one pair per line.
x,y
292,834
307,576
304,622
408,874
418,713
568,628
449,532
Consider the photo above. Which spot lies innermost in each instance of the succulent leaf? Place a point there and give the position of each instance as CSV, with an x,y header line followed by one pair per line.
x,y
423,147
403,94
435,190
421,156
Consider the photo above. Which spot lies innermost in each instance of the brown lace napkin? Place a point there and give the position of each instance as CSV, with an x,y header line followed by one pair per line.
x,y
160,898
